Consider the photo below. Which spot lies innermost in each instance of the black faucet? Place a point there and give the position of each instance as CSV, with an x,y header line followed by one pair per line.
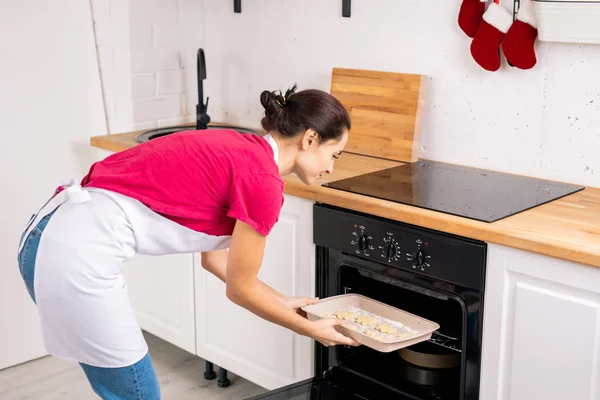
x,y
202,118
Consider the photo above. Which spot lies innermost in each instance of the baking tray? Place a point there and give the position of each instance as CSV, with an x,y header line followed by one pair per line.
x,y
410,329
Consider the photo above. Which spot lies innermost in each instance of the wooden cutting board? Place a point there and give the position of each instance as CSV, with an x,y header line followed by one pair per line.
x,y
385,108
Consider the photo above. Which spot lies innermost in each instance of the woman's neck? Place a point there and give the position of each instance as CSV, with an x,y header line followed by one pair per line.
x,y
287,154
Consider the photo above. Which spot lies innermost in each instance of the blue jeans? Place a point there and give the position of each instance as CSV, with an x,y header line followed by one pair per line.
x,y
26,257
134,382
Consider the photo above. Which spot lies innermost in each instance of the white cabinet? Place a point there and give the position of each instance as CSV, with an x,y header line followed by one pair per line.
x,y
161,289
541,328
234,338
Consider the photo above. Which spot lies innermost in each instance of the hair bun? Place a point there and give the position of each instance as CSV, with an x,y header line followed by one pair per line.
x,y
293,113
269,101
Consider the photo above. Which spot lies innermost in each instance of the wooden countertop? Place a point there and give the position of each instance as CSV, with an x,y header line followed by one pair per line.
x,y
567,228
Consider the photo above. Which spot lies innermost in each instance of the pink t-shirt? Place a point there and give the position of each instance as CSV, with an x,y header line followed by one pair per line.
x,y
203,180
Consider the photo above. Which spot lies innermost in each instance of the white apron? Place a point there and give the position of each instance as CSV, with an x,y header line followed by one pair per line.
x,y
80,290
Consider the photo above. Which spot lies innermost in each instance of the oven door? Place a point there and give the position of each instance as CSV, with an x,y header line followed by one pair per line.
x,y
335,385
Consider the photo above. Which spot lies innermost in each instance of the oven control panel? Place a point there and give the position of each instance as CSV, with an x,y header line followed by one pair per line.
x,y
390,249
400,245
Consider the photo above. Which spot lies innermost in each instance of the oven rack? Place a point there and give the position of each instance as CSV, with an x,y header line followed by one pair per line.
x,y
445,341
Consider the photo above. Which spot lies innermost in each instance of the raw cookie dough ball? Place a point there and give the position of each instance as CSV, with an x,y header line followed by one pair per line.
x,y
384,328
402,335
344,314
366,320
352,326
371,333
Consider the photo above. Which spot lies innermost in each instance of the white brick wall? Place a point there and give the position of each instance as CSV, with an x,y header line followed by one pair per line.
x,y
170,82
147,57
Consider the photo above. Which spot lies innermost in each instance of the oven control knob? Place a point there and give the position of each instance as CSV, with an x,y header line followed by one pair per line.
x,y
420,260
390,251
363,243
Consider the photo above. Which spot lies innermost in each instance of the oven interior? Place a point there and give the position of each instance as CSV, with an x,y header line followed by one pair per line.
x,y
391,369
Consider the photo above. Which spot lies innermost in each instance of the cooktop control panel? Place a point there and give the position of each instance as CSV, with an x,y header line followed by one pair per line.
x,y
437,254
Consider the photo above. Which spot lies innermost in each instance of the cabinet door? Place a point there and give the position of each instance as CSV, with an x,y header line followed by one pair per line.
x,y
541,328
161,289
234,338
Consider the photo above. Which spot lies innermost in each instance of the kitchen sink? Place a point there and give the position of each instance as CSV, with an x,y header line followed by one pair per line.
x,y
160,132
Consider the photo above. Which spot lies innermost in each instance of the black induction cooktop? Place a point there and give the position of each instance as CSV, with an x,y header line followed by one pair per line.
x,y
468,192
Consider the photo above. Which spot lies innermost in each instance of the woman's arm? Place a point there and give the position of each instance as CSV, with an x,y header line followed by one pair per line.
x,y
245,289
215,262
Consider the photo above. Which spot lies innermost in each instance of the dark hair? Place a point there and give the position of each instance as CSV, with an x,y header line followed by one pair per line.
x,y
294,113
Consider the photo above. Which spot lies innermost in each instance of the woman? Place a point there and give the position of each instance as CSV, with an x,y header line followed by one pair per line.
x,y
214,192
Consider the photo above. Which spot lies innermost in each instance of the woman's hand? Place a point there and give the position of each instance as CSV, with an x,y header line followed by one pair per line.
x,y
323,331
296,303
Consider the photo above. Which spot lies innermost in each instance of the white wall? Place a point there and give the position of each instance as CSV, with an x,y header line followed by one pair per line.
x,y
147,53
50,105
543,122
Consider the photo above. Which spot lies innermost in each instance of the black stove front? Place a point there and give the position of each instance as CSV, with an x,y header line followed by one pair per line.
x,y
431,274
458,190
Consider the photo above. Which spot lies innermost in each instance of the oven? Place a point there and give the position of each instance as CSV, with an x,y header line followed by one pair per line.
x,y
430,274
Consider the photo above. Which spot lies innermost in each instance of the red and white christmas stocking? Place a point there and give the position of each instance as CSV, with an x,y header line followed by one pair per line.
x,y
471,15
485,47
518,45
